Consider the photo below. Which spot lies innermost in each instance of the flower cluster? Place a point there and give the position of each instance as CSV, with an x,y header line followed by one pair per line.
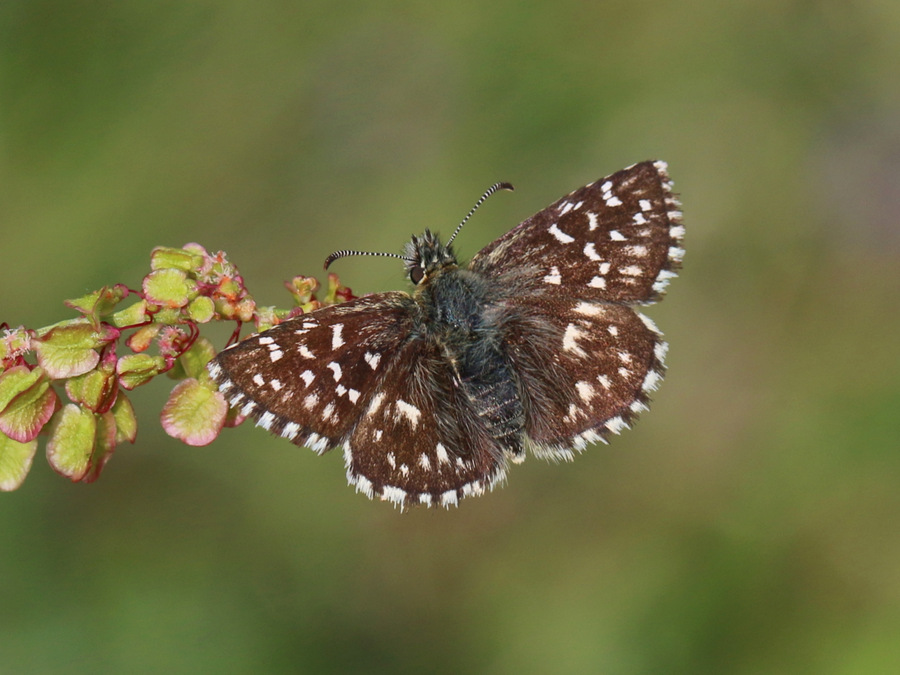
x,y
159,327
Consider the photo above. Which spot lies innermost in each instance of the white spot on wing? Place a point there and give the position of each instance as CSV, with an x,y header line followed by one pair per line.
x,y
645,204
554,277
615,235
647,321
589,309
305,353
307,377
258,380
393,494
275,355
266,421
585,391
409,411
442,455
335,370
372,359
590,252
638,250
570,340
592,221
376,403
651,381
616,425
561,236
660,351
336,339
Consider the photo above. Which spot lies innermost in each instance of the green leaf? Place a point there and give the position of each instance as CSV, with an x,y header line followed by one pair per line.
x,y
137,369
201,309
126,421
104,446
194,360
70,350
15,461
71,442
169,288
97,389
96,305
194,413
132,315
165,257
26,403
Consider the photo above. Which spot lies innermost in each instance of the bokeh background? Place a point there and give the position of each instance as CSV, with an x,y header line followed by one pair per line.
x,y
750,523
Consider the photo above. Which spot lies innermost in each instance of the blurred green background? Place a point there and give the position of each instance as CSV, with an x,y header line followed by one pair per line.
x,y
750,523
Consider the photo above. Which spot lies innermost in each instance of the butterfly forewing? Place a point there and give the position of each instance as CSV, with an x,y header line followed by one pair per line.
x,y
420,439
309,379
618,239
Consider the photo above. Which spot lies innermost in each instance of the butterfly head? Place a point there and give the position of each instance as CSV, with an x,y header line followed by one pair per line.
x,y
427,256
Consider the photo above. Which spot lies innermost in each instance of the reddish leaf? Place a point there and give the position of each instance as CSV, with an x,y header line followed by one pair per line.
x,y
194,413
70,350
27,401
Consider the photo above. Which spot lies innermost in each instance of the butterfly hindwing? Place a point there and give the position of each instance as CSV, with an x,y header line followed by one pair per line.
x,y
420,439
586,369
309,378
618,239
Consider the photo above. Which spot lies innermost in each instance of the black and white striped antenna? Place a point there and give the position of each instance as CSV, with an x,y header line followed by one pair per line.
x,y
491,190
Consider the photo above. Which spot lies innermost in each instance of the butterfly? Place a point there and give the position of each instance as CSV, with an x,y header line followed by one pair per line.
x,y
535,345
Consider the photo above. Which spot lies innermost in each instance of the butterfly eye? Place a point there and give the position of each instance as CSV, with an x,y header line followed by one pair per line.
x,y
416,274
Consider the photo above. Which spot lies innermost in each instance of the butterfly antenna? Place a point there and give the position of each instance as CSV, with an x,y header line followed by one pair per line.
x,y
343,254
491,190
